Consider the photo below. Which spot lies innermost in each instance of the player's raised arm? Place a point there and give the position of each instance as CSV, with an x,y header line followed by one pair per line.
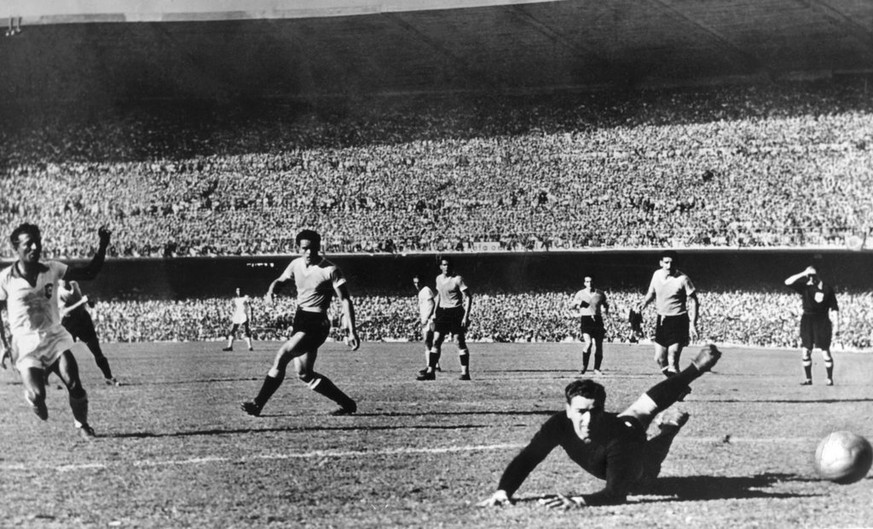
x,y
93,268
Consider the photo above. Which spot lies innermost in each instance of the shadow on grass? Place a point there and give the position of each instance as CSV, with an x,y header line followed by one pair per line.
x,y
703,488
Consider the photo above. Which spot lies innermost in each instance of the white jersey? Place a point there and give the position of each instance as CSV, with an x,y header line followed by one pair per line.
x,y
241,309
425,303
32,308
315,283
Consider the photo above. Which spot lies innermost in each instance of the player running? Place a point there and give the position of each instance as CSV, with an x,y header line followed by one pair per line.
x,y
317,280
29,294
78,322
610,446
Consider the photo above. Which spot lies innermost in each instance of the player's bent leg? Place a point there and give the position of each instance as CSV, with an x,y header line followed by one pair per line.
x,y
323,385
670,422
101,361
68,370
33,379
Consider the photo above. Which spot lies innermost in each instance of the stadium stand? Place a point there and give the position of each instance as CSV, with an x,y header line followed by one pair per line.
x,y
740,166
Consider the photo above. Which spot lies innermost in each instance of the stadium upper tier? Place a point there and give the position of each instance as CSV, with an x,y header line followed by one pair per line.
x,y
102,51
769,165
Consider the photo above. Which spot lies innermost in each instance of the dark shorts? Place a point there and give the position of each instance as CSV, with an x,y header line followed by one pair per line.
x,y
246,329
315,327
815,331
671,330
448,321
592,326
81,326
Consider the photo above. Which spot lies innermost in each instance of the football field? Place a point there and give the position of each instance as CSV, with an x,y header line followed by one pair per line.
x,y
174,449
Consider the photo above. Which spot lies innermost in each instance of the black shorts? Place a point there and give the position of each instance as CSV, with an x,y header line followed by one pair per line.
x,y
80,325
592,326
671,330
815,331
448,321
315,327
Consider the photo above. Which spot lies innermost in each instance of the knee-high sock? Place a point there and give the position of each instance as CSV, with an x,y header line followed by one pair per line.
x,y
325,387
271,383
666,392
79,407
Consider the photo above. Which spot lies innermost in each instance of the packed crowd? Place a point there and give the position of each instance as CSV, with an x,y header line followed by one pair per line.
x,y
755,318
786,165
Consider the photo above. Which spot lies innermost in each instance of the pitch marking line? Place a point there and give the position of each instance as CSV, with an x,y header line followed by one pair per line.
x,y
363,453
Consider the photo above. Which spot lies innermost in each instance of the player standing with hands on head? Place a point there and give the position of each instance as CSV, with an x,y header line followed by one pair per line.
x,y
451,316
610,446
242,315
29,294
677,306
816,328
590,304
317,280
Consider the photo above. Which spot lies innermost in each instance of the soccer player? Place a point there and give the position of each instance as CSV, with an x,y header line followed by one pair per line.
x,y
242,315
451,316
816,328
590,304
29,293
77,321
426,302
316,280
677,306
610,446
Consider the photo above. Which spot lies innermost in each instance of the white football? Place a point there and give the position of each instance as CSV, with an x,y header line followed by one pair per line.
x,y
843,457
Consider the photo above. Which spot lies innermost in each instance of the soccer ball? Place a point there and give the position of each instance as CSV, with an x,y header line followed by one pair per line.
x,y
843,457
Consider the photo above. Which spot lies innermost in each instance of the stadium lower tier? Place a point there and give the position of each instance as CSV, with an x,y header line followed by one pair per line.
x,y
754,318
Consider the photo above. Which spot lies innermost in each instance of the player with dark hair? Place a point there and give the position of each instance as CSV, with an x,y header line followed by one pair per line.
x,y
451,316
610,446
242,315
77,321
316,280
426,302
816,328
677,306
29,294
590,304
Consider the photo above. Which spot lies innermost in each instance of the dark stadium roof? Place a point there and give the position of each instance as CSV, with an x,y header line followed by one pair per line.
x,y
200,48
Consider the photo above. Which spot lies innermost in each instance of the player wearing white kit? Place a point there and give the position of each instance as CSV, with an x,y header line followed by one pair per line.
x,y
29,293
242,315
426,302
317,280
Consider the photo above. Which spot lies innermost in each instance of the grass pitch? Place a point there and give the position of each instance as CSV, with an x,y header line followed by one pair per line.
x,y
174,450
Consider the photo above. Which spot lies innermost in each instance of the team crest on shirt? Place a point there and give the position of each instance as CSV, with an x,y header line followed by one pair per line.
x,y
818,297
49,288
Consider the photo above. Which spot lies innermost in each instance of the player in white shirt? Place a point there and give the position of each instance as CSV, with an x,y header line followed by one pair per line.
x,y
451,315
242,315
426,302
676,303
29,294
317,280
